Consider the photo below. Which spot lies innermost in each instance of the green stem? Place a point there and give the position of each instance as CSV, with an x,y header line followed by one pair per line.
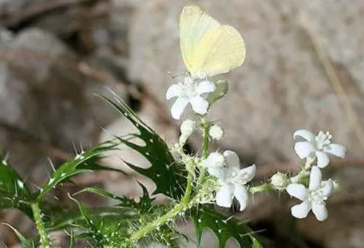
x,y
157,223
44,239
187,194
266,187
185,201
168,216
205,147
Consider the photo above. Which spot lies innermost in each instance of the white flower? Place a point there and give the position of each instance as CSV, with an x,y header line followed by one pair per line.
x,y
279,181
189,92
312,198
317,147
216,132
231,178
187,128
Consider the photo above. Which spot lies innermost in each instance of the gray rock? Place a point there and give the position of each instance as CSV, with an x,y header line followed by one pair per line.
x,y
46,103
5,36
38,40
39,73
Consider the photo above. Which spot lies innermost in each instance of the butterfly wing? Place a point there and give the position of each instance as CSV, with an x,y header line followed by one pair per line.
x,y
194,24
208,47
219,51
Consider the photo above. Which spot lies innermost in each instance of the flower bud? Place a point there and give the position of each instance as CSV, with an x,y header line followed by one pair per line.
x,y
216,132
187,128
336,186
214,160
279,181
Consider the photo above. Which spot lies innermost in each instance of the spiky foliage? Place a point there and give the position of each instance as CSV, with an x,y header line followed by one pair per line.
x,y
114,226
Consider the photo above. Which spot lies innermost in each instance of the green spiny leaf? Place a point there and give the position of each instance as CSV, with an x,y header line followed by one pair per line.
x,y
165,236
164,170
224,228
84,162
14,192
95,233
107,232
143,206
74,217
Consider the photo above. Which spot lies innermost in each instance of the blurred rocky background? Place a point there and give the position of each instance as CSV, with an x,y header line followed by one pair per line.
x,y
304,69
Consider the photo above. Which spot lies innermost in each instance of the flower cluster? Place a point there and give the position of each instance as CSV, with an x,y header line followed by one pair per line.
x,y
218,176
224,168
308,185
316,150
231,181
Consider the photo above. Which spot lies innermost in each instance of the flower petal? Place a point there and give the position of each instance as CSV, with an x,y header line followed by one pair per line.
x,y
205,87
307,135
224,197
199,105
178,107
304,149
222,174
322,159
335,149
327,188
232,160
320,211
174,90
315,178
241,195
300,211
247,174
298,191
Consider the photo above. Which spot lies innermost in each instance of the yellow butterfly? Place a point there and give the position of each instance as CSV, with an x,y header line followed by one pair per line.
x,y
208,48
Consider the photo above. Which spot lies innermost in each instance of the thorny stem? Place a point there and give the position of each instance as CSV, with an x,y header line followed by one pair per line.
x,y
157,223
163,219
44,239
185,201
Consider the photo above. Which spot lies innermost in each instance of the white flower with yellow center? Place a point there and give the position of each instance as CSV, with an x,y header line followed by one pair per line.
x,y
189,92
232,180
312,198
317,147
